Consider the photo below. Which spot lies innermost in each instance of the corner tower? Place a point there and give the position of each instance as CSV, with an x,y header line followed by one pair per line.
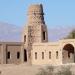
x,y
35,30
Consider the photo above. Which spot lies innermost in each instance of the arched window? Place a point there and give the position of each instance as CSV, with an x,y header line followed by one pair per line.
x,y
35,55
42,55
49,54
56,54
69,48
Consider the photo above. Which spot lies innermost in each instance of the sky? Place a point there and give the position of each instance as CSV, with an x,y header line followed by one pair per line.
x,y
57,12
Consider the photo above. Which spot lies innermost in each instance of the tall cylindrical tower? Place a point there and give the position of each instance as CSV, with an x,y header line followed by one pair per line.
x,y
35,14
35,30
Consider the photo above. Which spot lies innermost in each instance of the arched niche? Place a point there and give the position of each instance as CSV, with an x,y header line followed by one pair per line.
x,y
68,54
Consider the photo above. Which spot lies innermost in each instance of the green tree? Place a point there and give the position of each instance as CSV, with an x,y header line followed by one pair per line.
x,y
71,35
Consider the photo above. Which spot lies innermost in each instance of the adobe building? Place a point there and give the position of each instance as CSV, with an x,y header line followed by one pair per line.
x,y
35,48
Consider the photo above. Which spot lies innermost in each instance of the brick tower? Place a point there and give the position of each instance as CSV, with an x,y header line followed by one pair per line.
x,y
35,30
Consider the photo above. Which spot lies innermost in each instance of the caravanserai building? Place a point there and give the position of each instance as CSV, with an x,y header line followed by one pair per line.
x,y
35,48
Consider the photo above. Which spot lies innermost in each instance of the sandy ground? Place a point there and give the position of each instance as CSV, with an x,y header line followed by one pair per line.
x,y
18,70
11,69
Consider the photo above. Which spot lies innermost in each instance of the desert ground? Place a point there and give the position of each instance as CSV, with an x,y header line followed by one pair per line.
x,y
23,69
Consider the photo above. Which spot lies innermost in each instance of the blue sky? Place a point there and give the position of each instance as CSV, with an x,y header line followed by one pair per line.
x,y
57,12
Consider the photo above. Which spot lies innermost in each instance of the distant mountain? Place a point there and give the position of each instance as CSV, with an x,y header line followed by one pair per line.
x,y
58,33
12,33
9,32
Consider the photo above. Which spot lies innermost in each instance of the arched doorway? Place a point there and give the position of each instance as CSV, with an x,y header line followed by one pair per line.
x,y
68,53
25,55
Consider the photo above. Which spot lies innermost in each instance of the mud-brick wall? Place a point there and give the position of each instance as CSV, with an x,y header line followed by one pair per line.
x,y
13,49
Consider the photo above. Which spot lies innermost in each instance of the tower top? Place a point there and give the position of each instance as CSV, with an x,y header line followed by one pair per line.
x,y
35,14
35,8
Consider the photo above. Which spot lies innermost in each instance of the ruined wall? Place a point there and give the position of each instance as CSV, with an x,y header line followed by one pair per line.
x,y
34,29
46,48
14,50
8,52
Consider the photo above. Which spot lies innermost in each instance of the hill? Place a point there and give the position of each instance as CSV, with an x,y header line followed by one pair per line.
x,y
10,32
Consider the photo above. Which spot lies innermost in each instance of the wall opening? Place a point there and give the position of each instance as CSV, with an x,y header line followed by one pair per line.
x,y
68,53
44,34
35,55
25,55
18,55
24,38
49,54
56,54
42,55
8,55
